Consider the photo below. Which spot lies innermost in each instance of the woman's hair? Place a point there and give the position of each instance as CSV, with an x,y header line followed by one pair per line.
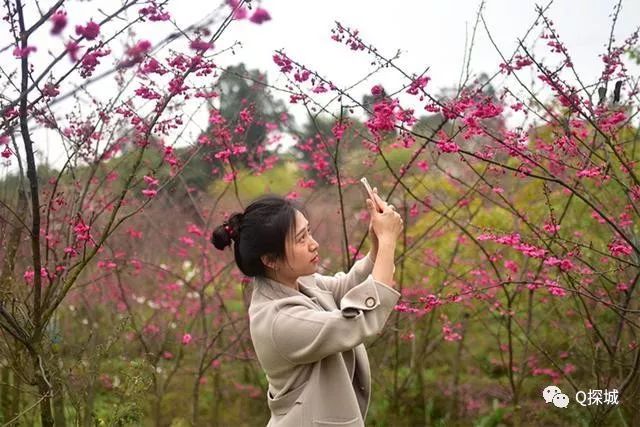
x,y
261,229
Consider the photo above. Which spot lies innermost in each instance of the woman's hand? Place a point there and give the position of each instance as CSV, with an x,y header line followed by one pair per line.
x,y
374,237
386,225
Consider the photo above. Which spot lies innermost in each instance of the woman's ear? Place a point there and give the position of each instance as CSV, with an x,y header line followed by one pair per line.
x,y
268,261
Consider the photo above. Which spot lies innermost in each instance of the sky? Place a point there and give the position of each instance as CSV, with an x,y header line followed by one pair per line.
x,y
428,34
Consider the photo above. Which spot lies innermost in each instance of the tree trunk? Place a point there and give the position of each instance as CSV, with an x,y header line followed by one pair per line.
x,y
88,409
58,403
195,401
46,417
5,402
15,397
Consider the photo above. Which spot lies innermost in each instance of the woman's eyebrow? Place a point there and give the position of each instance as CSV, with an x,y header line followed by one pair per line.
x,y
302,229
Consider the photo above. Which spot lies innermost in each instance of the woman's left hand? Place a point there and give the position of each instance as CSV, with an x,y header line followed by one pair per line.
x,y
374,242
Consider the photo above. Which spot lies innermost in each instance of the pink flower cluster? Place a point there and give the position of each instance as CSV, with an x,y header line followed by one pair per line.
x,y
19,52
347,36
90,31
154,13
619,248
520,63
152,184
91,60
59,21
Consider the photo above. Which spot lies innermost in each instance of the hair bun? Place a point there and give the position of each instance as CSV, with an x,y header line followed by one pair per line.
x,y
228,231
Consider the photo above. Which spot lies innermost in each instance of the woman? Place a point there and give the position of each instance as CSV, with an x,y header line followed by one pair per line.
x,y
308,329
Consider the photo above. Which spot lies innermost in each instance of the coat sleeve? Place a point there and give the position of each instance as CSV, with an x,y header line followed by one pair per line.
x,y
303,334
340,282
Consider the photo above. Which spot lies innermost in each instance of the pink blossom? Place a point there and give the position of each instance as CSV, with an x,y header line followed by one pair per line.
x,y
152,66
551,228
229,177
511,266
591,173
28,276
377,90
186,339
448,146
154,13
59,20
6,153
260,16
320,88
149,192
23,53
240,13
306,184
283,62
194,229
150,180
188,241
619,248
176,86
137,52
301,76
50,90
449,334
611,121
418,85
554,288
82,231
89,31
72,49
384,118
200,45
91,60
145,92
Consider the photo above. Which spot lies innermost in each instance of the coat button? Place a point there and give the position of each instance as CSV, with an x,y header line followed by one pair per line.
x,y
370,302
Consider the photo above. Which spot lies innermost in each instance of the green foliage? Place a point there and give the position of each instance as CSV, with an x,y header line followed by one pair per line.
x,y
279,180
124,406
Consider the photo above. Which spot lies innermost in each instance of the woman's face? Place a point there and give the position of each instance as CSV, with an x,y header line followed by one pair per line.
x,y
301,251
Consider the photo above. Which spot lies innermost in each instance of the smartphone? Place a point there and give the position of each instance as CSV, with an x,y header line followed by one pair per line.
x,y
369,191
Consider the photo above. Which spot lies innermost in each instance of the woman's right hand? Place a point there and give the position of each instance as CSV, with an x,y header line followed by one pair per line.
x,y
387,224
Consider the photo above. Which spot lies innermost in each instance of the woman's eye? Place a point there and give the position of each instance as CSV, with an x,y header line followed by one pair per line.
x,y
307,233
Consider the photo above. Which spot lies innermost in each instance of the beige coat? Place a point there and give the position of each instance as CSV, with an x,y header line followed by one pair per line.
x,y
310,344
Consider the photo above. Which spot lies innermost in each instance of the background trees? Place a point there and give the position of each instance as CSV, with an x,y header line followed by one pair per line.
x,y
518,267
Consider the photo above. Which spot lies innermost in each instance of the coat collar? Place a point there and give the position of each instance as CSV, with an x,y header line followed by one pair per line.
x,y
272,290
